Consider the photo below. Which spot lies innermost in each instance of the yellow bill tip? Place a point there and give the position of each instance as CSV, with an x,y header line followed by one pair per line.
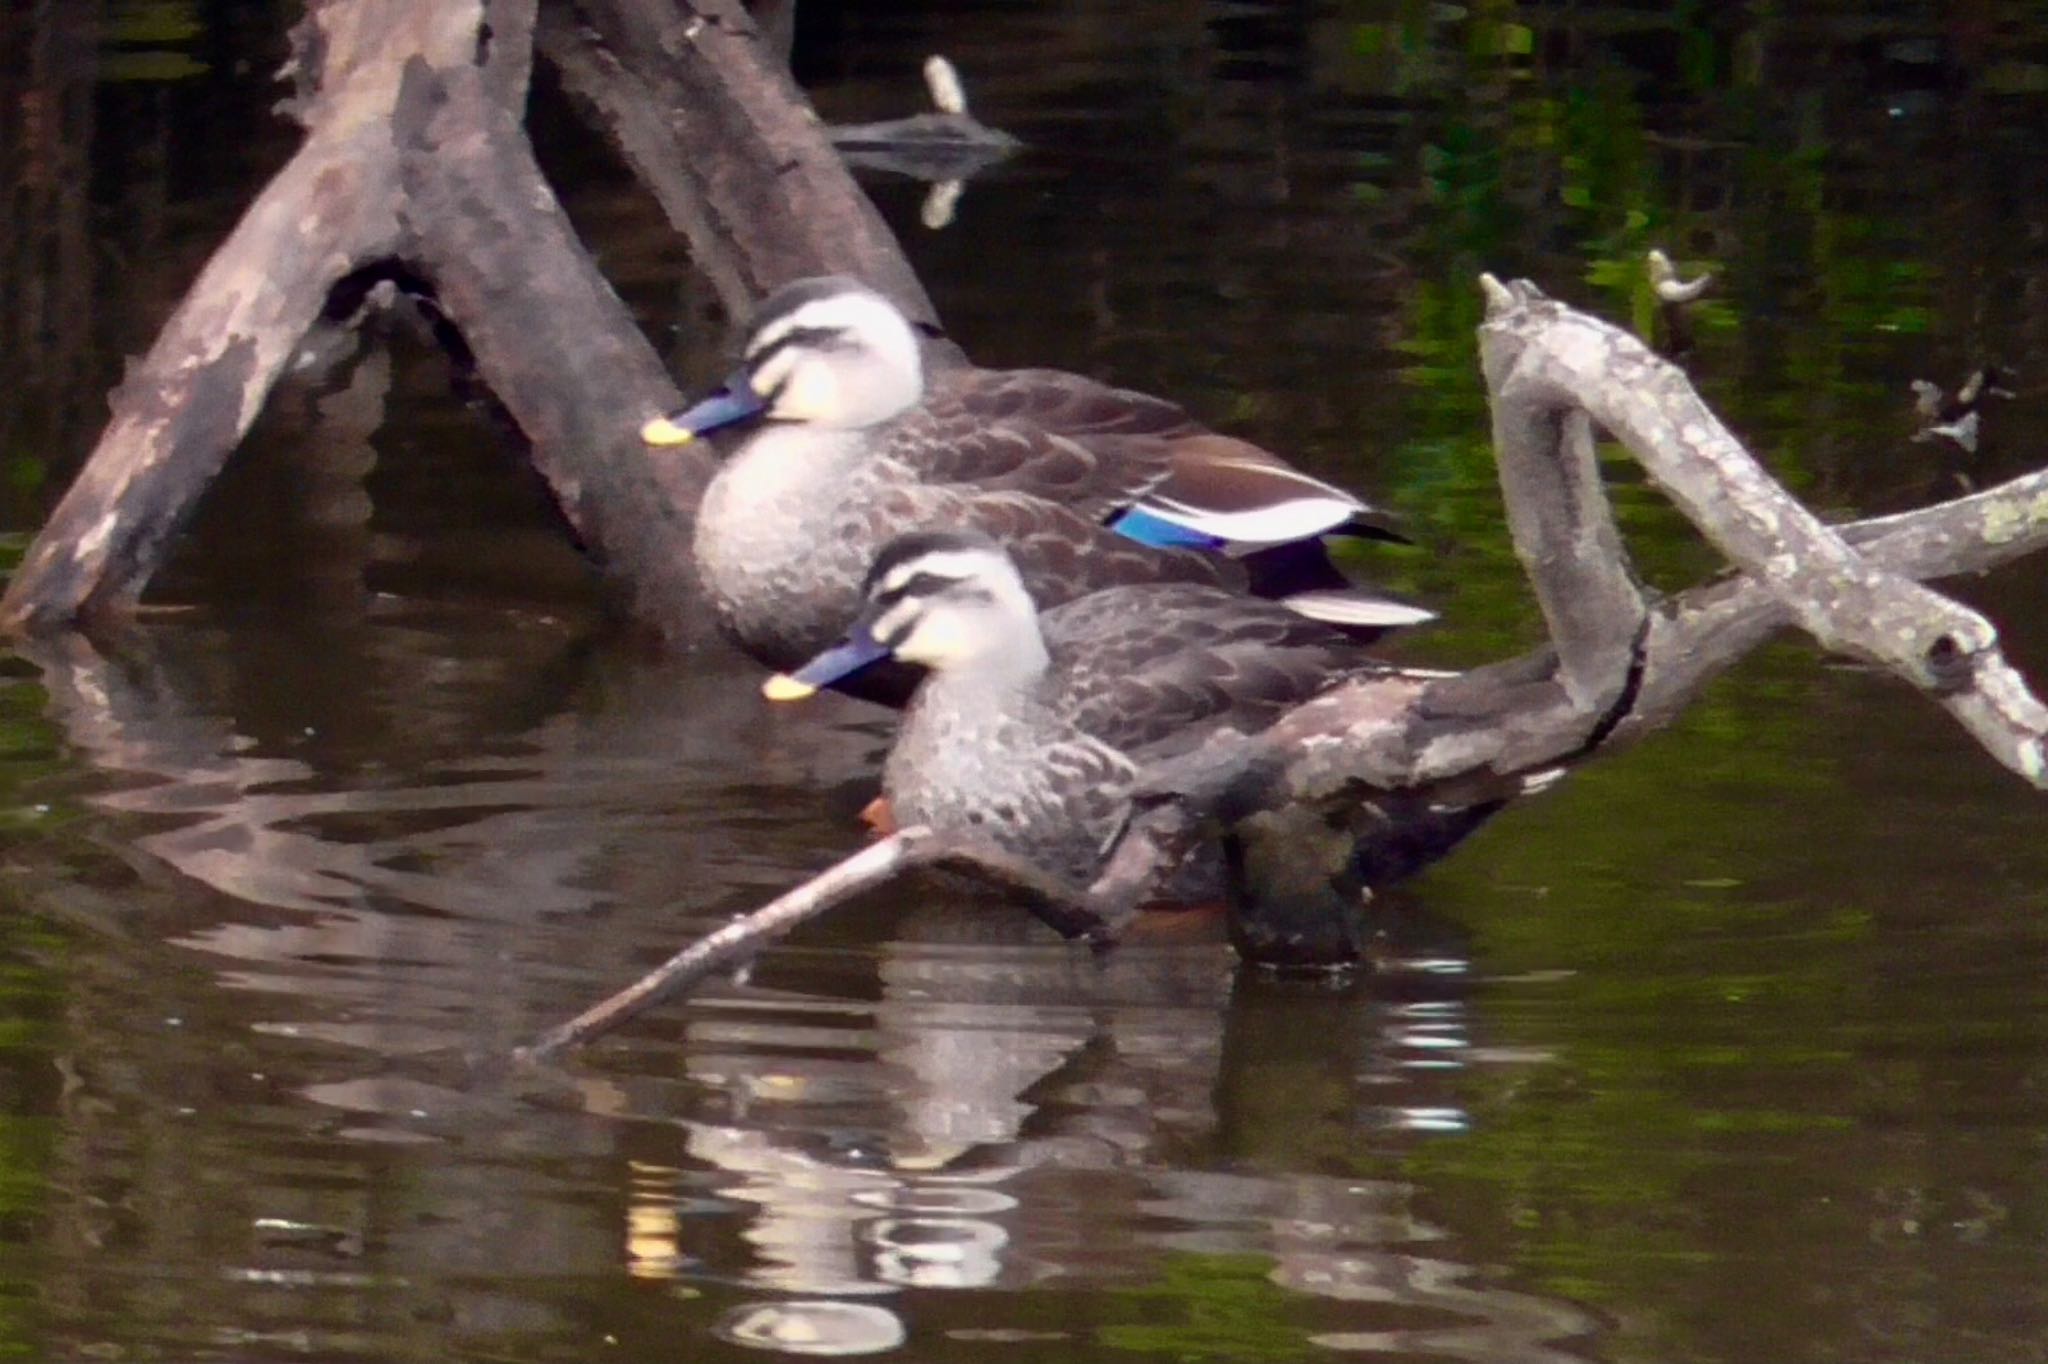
x,y
663,431
783,687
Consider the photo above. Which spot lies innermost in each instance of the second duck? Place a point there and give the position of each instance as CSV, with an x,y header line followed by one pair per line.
x,y
846,445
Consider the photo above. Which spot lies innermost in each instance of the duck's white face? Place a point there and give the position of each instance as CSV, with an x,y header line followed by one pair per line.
x,y
948,601
844,361
954,608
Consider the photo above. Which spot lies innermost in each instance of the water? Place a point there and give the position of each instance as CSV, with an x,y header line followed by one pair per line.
x,y
1734,1047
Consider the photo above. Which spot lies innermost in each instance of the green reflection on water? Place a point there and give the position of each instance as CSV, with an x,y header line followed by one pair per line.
x,y
145,41
1209,1307
30,996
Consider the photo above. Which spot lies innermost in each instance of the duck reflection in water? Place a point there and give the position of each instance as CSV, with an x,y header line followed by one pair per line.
x,y
962,1103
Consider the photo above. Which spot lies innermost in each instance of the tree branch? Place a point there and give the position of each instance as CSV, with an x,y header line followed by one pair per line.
x,y
905,850
706,114
1843,599
195,394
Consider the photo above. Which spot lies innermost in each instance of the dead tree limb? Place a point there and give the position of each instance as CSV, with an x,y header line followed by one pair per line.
x,y
907,849
704,111
412,164
186,404
1846,601
548,335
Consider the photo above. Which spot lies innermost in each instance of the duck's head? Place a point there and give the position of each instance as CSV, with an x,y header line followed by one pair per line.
x,y
949,601
828,352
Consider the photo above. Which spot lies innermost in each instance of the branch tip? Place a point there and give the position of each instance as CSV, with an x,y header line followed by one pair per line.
x,y
1664,280
1499,302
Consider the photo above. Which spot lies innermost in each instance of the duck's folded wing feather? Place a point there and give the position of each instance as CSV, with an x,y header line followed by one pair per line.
x,y
1118,455
1060,554
1231,492
1059,436
1143,667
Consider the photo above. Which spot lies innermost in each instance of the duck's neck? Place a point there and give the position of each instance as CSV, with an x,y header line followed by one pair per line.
x,y
1002,683
767,544
1018,667
774,497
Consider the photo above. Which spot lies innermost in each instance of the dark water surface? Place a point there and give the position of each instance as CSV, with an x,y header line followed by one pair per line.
x,y
1733,1048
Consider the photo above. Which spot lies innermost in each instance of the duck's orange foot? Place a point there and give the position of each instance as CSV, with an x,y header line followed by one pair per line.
x,y
1178,922
880,819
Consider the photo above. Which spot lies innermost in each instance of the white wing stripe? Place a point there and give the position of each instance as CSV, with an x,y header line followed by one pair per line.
x,y
1349,608
1273,524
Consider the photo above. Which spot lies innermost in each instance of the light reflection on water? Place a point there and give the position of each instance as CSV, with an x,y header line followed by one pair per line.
x,y
960,1104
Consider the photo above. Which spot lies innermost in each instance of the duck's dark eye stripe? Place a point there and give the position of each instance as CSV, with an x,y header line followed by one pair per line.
x,y
818,338
918,585
925,583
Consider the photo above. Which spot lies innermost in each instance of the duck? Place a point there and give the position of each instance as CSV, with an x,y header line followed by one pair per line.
x,y
840,440
1029,730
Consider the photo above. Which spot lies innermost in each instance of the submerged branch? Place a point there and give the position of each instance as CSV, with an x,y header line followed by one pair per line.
x,y
905,850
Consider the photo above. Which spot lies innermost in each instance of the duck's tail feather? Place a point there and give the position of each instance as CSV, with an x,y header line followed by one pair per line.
x,y
1357,608
1303,577
1373,524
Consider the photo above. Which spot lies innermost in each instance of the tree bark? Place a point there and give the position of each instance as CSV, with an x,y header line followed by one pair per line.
x,y
704,110
193,397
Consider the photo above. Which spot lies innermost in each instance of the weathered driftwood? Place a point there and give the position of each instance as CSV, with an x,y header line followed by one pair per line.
x,y
910,849
710,121
413,163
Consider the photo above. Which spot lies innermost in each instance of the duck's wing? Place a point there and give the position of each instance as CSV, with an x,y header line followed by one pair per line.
x,y
1096,449
1155,667
1141,462
1060,553
1228,494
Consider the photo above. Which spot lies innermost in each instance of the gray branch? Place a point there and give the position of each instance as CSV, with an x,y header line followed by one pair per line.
x,y
906,850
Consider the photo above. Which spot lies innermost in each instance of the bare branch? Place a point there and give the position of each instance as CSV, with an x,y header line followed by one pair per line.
x,y
1557,507
1842,598
195,394
711,122
1065,909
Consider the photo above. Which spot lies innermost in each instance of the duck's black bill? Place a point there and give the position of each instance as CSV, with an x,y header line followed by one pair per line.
x,y
859,650
735,402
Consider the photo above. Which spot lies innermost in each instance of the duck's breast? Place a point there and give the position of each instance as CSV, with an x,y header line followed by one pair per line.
x,y
772,545
1011,775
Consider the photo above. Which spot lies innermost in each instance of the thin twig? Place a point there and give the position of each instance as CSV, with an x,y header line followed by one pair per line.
x,y
738,940
1063,908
